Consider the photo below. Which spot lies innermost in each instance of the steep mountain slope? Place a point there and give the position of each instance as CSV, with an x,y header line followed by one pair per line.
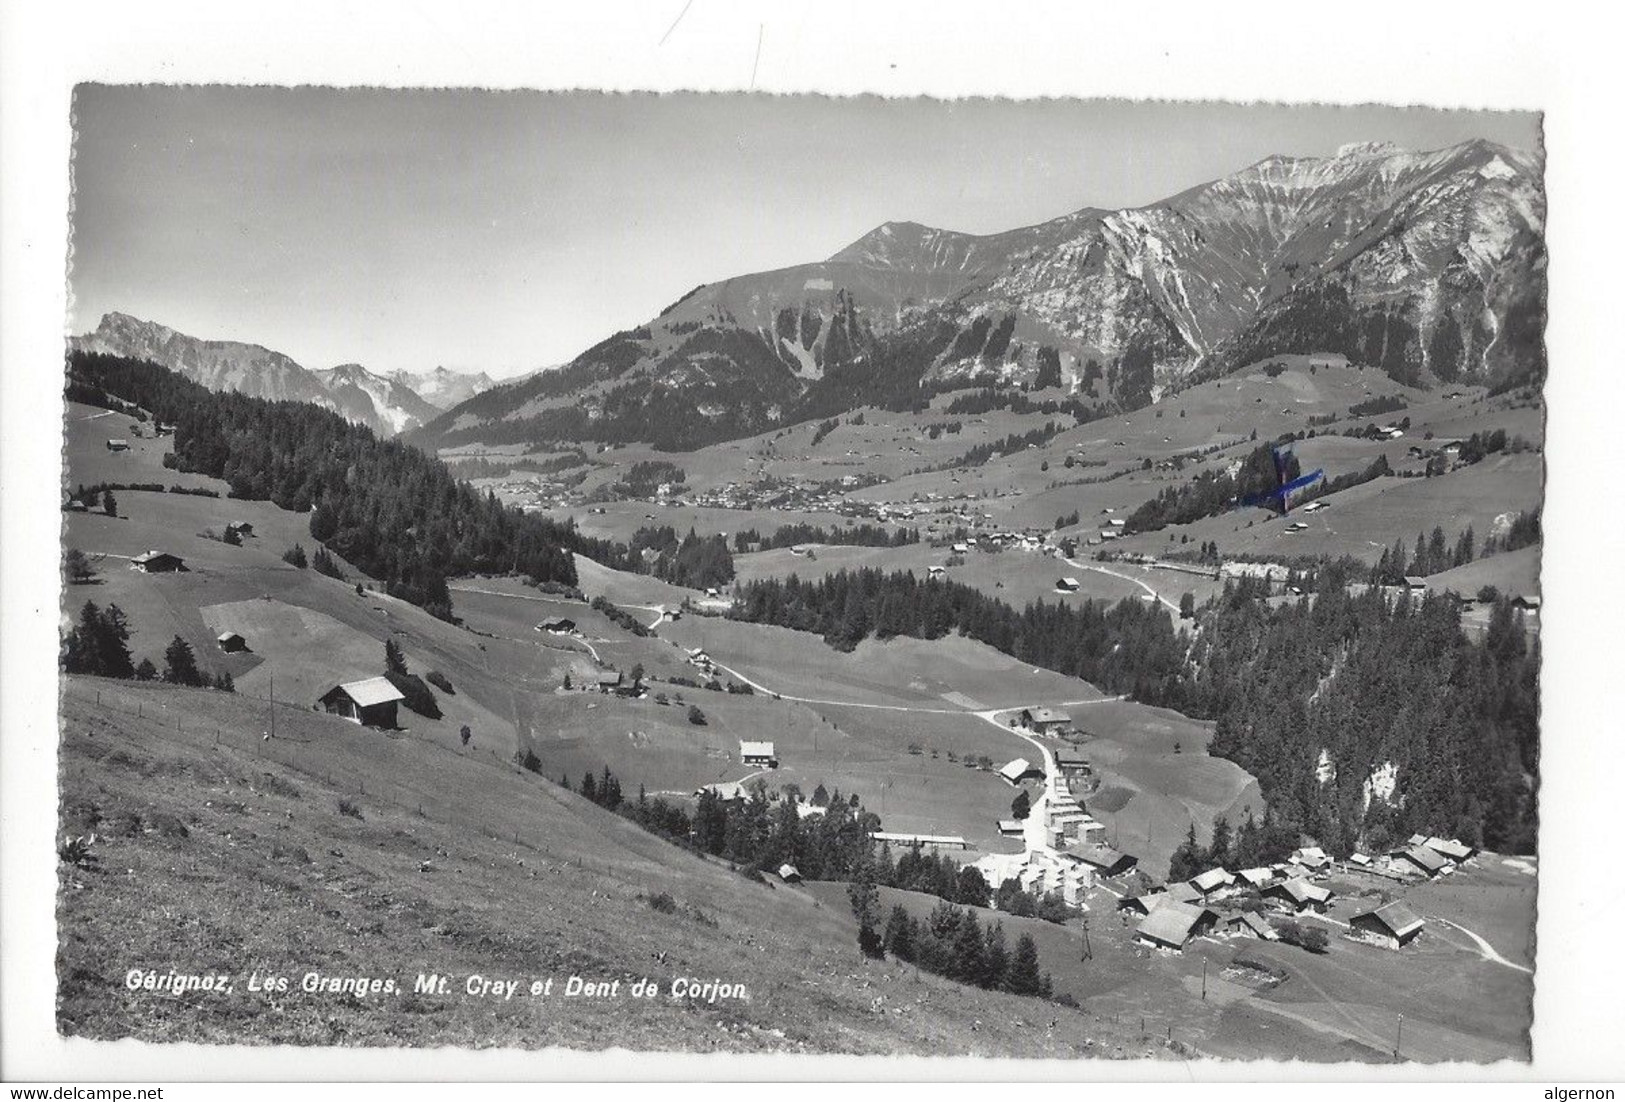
x,y
443,388
1430,264
394,403
386,406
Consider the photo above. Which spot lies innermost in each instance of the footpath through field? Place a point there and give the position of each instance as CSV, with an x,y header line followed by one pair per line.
x,y
1074,563
1485,949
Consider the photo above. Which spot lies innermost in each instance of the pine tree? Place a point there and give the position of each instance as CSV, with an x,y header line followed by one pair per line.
x,y
180,664
99,643
394,660
969,959
1188,860
900,934
1219,850
109,505
865,899
1023,976
1021,806
996,957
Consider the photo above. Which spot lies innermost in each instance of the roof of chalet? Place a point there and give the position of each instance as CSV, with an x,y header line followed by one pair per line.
x,y
1211,879
366,693
1015,770
1450,848
1430,859
1396,916
1255,922
1183,893
1146,902
1302,891
1104,857
1048,715
755,749
1172,923
1257,877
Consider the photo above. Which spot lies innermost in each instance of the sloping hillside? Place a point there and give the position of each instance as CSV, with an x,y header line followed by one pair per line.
x,y
219,852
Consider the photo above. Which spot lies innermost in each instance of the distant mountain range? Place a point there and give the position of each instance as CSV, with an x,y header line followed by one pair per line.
x,y
1430,265
444,388
388,405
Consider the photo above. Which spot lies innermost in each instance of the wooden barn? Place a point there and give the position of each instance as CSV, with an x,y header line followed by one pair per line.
x,y
371,703
1250,924
157,562
1422,859
1021,770
1106,861
1393,925
231,642
1212,881
1172,925
1300,895
1046,721
1073,766
759,754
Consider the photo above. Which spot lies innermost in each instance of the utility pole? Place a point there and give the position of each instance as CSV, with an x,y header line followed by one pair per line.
x,y
1204,979
1088,950
1399,1030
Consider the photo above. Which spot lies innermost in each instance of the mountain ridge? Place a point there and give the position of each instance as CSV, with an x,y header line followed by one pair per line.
x,y
388,404
1429,264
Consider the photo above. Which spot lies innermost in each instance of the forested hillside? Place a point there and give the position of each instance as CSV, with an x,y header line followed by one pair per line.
x,y
1128,647
387,508
1370,683
1365,681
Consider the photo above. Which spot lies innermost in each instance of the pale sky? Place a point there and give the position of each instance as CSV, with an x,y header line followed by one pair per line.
x,y
507,231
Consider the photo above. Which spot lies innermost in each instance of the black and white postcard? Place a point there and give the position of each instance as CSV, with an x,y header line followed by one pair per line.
x,y
816,575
